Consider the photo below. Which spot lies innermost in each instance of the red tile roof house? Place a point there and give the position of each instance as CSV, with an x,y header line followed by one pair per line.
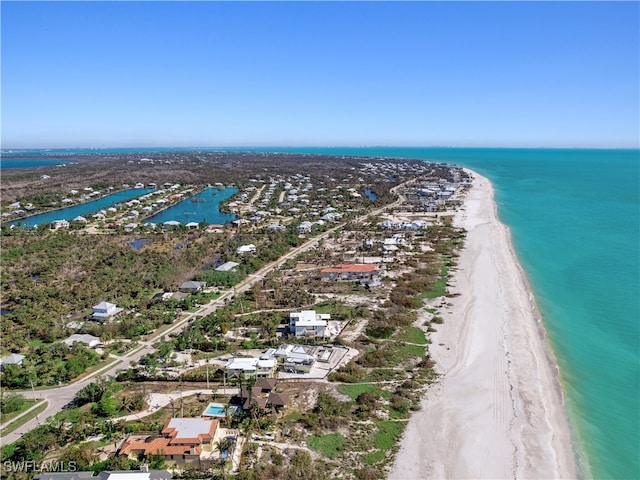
x,y
348,271
184,441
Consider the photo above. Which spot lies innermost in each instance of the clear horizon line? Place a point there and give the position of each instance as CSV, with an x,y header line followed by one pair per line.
x,y
5,149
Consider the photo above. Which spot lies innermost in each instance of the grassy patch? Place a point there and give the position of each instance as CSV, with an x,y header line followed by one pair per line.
x,y
384,375
329,445
440,285
406,351
99,366
355,390
373,458
388,434
26,405
24,419
412,335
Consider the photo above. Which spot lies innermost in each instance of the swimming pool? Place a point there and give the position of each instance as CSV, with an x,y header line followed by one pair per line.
x,y
217,410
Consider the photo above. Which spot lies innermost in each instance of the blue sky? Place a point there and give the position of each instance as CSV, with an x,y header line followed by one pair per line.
x,y
91,74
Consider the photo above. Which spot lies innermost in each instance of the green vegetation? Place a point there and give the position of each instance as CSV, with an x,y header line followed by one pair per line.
x,y
18,422
330,445
412,335
354,391
389,433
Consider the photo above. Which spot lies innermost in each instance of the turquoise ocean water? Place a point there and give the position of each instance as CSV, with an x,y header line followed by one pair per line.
x,y
574,217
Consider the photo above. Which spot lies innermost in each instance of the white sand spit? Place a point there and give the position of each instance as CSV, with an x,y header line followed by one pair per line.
x,y
497,411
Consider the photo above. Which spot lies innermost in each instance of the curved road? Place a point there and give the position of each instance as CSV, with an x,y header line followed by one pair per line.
x,y
58,397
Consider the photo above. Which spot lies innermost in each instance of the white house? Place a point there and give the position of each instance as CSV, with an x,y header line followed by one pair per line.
x,y
305,227
86,339
104,311
250,248
251,367
56,224
308,323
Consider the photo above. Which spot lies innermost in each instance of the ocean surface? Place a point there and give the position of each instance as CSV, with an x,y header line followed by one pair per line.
x,y
574,217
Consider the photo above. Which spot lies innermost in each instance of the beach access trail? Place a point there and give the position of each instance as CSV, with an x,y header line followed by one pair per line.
x,y
497,410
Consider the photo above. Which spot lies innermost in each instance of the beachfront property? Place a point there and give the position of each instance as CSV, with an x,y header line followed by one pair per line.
x,y
350,272
262,394
296,358
104,311
308,323
183,441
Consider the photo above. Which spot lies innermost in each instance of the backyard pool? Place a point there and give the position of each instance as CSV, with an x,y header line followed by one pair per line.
x,y
217,410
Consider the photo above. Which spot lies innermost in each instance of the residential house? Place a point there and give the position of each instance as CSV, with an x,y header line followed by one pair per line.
x,y
11,359
192,286
183,441
305,227
143,474
346,271
295,355
262,393
227,267
104,311
56,224
86,339
250,367
250,248
308,323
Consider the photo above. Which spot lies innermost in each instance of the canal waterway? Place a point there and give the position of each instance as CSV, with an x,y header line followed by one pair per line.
x,y
202,207
86,208
371,195
10,163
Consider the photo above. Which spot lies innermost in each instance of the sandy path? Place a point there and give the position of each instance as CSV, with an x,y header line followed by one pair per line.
x,y
498,411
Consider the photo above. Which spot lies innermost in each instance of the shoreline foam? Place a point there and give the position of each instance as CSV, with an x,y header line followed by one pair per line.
x,y
498,410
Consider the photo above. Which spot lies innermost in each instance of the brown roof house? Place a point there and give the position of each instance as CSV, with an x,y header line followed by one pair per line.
x,y
262,394
183,441
351,271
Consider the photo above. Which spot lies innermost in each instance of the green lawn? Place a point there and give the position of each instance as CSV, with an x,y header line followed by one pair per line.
x,y
440,286
27,404
24,419
388,434
355,390
329,445
375,457
412,335
405,351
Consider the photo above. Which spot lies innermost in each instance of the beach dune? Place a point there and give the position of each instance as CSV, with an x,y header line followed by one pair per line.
x,y
497,410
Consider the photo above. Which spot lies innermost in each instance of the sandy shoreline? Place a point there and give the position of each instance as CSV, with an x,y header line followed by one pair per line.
x,y
497,411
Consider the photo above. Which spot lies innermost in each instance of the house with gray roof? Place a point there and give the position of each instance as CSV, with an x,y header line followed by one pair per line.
x,y
11,359
192,286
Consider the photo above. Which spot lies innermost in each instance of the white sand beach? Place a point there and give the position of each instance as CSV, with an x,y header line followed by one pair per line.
x,y
497,411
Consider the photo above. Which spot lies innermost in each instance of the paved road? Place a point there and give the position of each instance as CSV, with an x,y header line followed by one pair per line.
x,y
58,397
